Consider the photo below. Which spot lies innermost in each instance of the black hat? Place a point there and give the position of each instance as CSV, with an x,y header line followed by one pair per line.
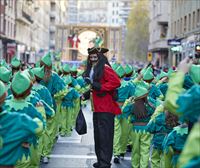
x,y
95,50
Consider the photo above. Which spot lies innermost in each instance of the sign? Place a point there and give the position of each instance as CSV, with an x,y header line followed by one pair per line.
x,y
174,42
177,48
149,56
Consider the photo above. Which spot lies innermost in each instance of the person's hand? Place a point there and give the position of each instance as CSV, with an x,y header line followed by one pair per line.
x,y
185,65
87,80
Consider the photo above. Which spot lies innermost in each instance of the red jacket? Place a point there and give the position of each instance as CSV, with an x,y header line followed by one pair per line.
x,y
103,99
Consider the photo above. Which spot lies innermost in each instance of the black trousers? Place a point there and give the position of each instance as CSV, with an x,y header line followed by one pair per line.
x,y
103,137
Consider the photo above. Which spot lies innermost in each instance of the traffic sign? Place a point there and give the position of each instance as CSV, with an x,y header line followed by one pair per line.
x,y
149,56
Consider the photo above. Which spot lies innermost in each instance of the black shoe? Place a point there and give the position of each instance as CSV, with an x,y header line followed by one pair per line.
x,y
129,148
96,165
122,156
117,159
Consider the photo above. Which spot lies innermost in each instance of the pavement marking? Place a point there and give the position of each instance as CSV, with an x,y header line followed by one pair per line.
x,y
68,141
78,157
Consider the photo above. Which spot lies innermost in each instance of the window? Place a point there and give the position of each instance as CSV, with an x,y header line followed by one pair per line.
x,y
181,26
117,4
198,16
174,28
113,12
117,12
193,20
113,4
189,23
185,24
116,20
113,20
178,27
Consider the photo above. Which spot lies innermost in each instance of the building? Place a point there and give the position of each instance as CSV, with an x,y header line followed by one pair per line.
x,y
184,29
158,29
92,11
113,17
72,11
57,16
7,29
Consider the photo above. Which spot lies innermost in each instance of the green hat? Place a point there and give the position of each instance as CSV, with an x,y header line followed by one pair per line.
x,y
148,75
5,74
195,73
20,83
73,68
47,59
162,75
29,73
143,71
128,69
80,72
15,62
3,63
39,72
140,91
66,68
120,71
37,64
170,71
67,79
114,66
2,89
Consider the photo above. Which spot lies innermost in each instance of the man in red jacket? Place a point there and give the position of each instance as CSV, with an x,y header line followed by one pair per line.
x,y
104,81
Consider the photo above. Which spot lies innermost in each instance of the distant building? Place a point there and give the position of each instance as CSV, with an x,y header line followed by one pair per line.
x,y
158,30
184,27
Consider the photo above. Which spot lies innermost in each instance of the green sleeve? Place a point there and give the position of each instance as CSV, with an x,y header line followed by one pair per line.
x,y
175,87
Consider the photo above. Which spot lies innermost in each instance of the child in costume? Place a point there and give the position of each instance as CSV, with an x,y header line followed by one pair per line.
x,y
21,89
16,133
122,126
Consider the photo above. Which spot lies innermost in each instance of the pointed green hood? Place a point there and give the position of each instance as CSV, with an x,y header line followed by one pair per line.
x,y
29,73
66,68
195,73
15,62
162,75
80,73
120,71
39,72
2,89
114,66
73,68
140,91
3,63
148,74
5,74
128,69
20,83
37,64
47,59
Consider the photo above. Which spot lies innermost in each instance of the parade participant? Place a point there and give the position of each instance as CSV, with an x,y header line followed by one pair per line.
x,y
15,64
161,123
140,116
122,126
103,81
68,107
16,130
46,143
21,89
5,76
56,87
162,83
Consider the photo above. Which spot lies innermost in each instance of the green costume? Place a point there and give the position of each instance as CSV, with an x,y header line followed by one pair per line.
x,y
157,126
139,118
176,139
122,126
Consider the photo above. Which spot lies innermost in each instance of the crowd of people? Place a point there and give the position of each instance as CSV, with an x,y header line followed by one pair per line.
x,y
156,116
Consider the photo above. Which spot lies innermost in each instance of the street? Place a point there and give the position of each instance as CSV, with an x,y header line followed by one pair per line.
x,y
78,151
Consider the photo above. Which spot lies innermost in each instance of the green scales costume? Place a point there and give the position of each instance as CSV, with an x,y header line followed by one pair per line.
x,y
141,113
186,105
5,76
16,129
46,141
58,90
122,126
20,85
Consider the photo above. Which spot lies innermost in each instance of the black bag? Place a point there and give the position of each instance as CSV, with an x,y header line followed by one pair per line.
x,y
81,126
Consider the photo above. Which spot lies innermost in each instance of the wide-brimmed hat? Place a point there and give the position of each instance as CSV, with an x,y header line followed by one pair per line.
x,y
95,50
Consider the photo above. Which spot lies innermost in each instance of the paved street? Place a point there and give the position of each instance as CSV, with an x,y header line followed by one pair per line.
x,y
78,151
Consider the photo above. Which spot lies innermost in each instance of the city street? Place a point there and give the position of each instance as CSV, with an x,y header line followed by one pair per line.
x,y
78,151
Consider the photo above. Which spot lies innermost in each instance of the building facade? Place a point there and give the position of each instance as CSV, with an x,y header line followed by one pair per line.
x,y
72,10
158,29
7,29
184,28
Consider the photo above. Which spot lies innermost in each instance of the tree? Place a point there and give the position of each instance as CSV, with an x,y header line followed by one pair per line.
x,y
137,38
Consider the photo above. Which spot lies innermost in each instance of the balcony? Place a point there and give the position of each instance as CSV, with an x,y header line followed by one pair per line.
x,y
52,14
52,42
